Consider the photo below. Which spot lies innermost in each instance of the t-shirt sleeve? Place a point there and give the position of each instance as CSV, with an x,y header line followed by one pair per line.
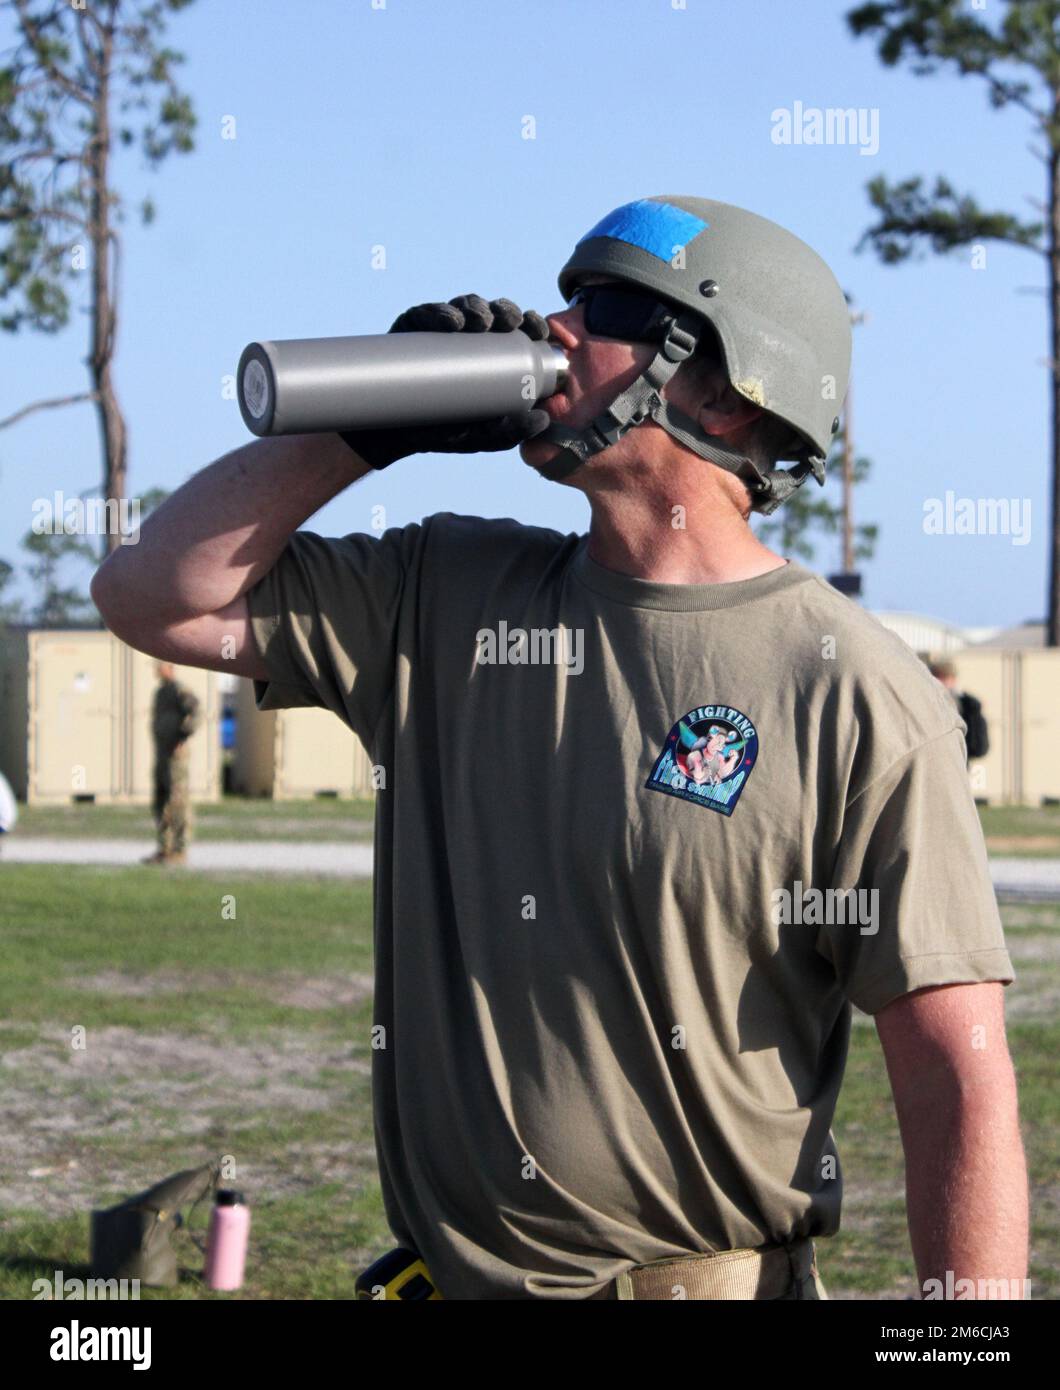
x,y
913,842
325,622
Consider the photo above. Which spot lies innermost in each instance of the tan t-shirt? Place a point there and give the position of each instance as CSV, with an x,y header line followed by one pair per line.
x,y
614,985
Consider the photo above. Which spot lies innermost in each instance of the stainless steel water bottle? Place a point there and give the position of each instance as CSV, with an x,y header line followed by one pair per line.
x,y
309,385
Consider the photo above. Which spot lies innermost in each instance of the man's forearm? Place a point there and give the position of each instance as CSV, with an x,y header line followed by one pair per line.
x,y
214,537
966,1195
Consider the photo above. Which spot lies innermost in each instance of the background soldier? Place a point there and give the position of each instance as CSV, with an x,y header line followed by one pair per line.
x,y
977,739
174,718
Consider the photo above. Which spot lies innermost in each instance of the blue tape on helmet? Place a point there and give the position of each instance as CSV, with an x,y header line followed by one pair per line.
x,y
658,228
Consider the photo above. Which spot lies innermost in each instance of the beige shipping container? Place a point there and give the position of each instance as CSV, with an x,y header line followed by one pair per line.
x,y
1039,726
75,719
992,677
296,753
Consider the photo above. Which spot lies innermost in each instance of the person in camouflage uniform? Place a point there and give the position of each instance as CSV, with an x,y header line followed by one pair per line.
x,y
174,718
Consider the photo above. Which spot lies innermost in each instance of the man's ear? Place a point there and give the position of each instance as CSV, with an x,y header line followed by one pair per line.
x,y
702,390
728,413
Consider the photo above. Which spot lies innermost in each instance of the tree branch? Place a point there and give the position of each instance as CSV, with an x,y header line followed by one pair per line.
x,y
47,405
15,213
947,221
32,29
938,36
59,157
1008,96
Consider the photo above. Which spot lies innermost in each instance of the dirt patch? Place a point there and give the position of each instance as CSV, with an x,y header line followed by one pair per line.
x,y
1021,915
1029,844
904,1290
117,985
158,1085
294,990
1043,947
327,992
1030,1005
307,1166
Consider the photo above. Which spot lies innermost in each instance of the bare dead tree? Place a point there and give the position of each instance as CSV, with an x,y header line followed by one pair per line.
x,y
79,73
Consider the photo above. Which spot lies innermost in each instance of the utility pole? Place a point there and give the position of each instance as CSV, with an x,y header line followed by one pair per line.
x,y
848,486
847,581
848,464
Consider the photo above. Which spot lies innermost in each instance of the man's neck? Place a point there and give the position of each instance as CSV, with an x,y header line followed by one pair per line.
x,y
639,536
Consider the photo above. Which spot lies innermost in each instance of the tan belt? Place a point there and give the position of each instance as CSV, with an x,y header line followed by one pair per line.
x,y
768,1272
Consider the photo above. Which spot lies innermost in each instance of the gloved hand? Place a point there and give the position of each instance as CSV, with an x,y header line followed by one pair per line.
x,y
468,313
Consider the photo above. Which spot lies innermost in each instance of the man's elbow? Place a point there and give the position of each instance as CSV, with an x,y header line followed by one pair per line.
x,y
97,590
117,596
100,591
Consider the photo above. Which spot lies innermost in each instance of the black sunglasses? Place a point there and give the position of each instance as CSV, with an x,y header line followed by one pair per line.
x,y
623,311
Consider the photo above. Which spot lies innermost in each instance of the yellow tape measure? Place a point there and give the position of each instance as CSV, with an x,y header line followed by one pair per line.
x,y
399,1274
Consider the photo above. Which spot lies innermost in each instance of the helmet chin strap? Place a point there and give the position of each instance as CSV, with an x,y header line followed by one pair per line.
x,y
642,400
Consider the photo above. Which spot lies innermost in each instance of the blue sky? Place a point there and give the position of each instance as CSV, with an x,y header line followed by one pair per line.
x,y
402,126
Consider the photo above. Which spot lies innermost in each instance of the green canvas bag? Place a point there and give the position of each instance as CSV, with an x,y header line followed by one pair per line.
x,y
133,1240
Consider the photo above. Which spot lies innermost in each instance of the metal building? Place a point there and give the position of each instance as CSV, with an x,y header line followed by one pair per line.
x,y
1020,695
291,753
75,718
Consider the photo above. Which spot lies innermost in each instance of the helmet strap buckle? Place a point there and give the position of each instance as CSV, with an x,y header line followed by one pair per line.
x,y
682,338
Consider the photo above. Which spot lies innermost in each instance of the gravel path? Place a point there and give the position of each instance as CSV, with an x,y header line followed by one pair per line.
x,y
271,856
1026,878
1021,878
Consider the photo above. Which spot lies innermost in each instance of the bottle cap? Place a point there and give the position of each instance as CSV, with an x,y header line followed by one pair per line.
x,y
229,1197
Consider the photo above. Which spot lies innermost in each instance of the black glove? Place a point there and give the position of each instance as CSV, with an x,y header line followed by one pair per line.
x,y
469,313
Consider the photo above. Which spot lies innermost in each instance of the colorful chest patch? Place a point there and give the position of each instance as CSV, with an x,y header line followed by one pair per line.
x,y
708,756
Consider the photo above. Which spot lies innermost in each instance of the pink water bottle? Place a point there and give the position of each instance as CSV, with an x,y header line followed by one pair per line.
x,y
226,1241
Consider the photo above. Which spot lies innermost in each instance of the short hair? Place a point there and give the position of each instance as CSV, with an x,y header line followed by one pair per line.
x,y
942,669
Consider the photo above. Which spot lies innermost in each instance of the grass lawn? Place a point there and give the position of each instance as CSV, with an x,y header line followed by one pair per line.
x,y
231,818
1022,830
1011,830
205,1036
870,1256
208,1035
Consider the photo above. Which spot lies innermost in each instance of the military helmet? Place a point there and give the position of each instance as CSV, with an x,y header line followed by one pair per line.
x,y
780,318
